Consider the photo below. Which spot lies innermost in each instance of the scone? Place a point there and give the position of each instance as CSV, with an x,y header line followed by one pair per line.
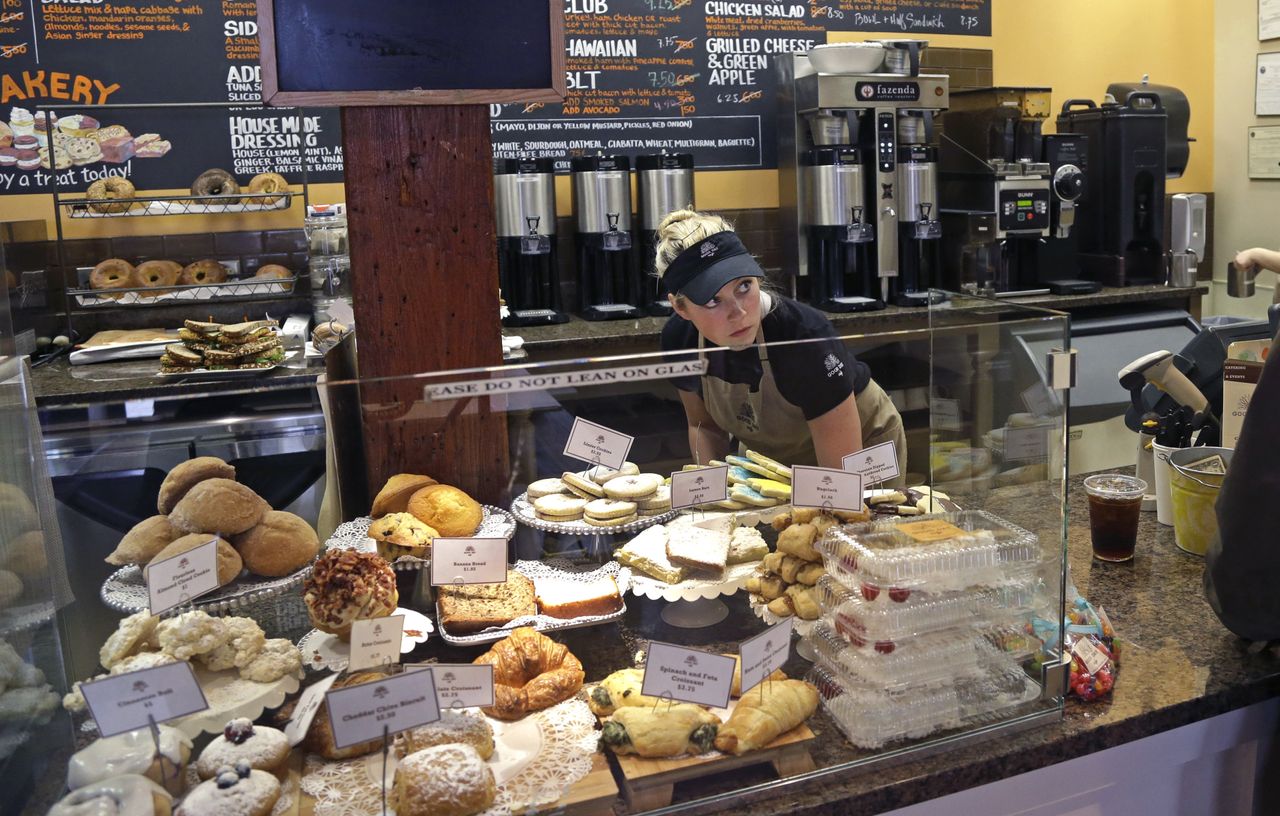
x,y
280,544
447,509
133,752
319,738
140,544
454,727
447,780
346,586
186,476
244,642
277,658
400,534
394,495
264,748
191,633
218,506
238,791
229,561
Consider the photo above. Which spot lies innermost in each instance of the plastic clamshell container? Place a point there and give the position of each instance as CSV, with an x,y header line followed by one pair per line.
x,y
933,659
859,620
881,551
872,717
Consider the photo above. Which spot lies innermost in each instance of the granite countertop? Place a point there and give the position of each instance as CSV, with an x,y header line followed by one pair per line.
x,y
1179,665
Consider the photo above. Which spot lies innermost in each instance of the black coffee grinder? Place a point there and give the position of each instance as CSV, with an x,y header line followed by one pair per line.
x,y
608,274
664,184
524,194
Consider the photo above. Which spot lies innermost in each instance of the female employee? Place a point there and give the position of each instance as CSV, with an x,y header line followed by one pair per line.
x,y
804,403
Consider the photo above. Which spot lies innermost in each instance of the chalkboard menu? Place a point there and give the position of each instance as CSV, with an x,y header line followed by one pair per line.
x,y
67,58
411,52
645,76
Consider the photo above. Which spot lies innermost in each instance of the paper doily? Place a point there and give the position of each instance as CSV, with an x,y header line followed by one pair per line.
x,y
126,591
288,790
321,650
692,589
568,742
354,535
561,570
524,513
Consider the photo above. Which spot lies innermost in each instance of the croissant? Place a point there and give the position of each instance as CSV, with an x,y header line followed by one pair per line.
x,y
530,672
661,731
765,713
619,690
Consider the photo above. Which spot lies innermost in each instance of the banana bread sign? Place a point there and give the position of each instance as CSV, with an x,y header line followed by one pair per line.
x,y
81,82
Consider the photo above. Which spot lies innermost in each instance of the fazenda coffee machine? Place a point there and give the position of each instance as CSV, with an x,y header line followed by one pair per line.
x,y
857,158
609,285
524,193
664,184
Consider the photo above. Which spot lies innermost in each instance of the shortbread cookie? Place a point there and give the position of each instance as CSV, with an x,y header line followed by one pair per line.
x,y
583,486
747,495
612,522
545,487
558,505
640,486
771,465
604,509
601,474
659,502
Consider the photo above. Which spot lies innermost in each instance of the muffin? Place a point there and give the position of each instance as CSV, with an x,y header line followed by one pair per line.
x,y
450,511
346,586
394,495
402,534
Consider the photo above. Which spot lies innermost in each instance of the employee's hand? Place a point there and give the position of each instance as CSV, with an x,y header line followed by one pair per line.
x,y
1247,259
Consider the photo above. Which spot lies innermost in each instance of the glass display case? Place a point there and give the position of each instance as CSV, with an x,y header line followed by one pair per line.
x,y
919,587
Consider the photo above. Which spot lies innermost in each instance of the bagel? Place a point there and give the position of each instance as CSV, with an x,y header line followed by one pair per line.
x,y
267,183
530,672
213,183
203,272
157,274
276,272
113,273
113,187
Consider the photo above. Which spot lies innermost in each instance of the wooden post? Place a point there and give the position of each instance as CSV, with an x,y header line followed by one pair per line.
x,y
425,285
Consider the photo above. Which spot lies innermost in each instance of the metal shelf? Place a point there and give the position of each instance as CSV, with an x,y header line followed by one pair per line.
x,y
176,205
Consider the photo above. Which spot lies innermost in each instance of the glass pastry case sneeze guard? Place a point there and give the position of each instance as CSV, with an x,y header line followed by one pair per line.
x,y
921,619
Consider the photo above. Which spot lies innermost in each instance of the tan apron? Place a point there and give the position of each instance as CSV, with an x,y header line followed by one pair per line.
x,y
764,421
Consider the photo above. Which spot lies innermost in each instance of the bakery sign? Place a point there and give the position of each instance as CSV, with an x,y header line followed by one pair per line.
x,y
538,381
127,702
382,707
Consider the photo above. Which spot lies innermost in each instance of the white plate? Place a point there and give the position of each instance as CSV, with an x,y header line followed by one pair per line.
x,y
230,697
321,650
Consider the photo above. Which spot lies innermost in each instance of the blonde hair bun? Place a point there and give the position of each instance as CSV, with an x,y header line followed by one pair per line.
x,y
682,229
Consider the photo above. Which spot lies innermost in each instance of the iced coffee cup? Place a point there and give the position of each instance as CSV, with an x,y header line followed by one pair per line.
x,y
1115,504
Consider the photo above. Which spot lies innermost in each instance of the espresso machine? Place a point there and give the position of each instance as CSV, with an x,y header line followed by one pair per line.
x,y
858,173
608,275
524,193
664,184
1008,192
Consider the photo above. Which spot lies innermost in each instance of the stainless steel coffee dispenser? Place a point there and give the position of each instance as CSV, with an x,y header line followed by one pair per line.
x,y
524,193
664,184
608,275
837,233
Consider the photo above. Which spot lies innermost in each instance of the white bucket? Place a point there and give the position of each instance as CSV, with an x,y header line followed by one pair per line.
x,y
1164,501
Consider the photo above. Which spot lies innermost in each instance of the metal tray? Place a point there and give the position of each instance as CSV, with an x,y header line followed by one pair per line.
x,y
126,591
524,513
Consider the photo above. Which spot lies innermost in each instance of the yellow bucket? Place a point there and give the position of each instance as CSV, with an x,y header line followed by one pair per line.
x,y
1194,494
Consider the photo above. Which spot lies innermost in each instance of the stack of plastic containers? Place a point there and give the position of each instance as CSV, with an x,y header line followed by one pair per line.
x,y
918,618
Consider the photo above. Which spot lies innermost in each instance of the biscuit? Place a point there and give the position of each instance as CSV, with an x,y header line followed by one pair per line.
x,y
394,495
186,476
545,487
601,474
639,486
605,509
612,522
448,510
582,486
558,506
280,544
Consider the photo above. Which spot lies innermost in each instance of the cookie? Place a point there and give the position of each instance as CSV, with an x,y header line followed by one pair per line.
x,y
581,485
747,464
748,495
84,150
192,633
612,522
633,487
659,502
601,473
604,509
771,465
558,506
129,638
546,487
277,658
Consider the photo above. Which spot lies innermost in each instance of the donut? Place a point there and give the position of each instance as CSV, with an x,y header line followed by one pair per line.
x,y
276,272
157,274
110,188
202,272
213,183
113,273
267,183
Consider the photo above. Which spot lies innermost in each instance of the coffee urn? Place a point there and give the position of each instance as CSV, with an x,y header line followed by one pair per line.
x,y
608,275
919,230
664,184
838,229
524,193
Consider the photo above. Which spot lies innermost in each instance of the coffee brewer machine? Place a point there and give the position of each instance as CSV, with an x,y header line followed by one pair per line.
x,y
857,173
1134,146
608,276
664,184
1008,192
524,193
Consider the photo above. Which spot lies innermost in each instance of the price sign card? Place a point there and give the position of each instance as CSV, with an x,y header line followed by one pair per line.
x,y
688,675
690,488
944,414
305,711
376,642
597,444
361,713
1040,400
765,653
468,561
826,487
461,685
1029,444
878,463
176,581
130,701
